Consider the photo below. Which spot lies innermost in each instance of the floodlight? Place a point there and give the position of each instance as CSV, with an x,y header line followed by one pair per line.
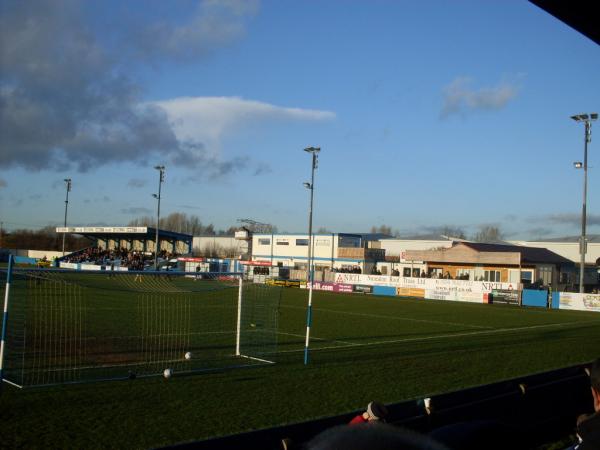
x,y
587,120
306,185
312,149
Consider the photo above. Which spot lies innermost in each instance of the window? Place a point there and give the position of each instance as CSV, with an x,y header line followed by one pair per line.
x,y
406,272
282,242
301,241
491,275
322,242
264,242
526,276
463,274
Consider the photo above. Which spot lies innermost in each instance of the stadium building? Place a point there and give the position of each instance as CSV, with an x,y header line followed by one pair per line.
x,y
332,251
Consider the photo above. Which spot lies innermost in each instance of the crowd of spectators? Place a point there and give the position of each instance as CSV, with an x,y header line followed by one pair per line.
x,y
132,259
368,431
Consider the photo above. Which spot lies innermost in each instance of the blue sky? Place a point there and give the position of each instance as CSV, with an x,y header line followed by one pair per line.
x,y
429,114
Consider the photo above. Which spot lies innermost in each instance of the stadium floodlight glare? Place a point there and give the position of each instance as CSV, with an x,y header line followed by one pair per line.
x,y
68,185
161,179
587,119
314,151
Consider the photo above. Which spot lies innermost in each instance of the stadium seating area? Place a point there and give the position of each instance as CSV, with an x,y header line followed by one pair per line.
x,y
134,260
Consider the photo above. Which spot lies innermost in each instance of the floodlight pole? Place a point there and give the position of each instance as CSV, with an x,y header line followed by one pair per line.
x,y
587,119
161,179
314,151
68,185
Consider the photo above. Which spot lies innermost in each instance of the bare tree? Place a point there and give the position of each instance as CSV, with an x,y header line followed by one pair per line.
x,y
488,233
382,229
452,231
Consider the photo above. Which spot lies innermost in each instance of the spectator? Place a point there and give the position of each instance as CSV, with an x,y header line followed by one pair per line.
x,y
375,412
588,426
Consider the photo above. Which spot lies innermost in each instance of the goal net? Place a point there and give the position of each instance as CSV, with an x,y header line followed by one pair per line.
x,y
72,327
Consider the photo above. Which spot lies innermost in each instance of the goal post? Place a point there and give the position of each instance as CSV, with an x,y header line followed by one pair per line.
x,y
75,326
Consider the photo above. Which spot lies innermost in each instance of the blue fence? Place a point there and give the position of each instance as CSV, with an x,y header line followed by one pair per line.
x,y
384,290
535,298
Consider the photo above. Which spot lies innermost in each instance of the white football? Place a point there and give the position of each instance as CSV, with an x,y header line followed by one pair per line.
x,y
167,373
188,355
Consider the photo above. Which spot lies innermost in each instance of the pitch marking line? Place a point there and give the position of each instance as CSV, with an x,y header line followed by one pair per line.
x,y
407,319
447,336
346,343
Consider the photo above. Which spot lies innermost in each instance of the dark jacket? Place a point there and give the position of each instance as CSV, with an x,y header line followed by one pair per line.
x,y
589,431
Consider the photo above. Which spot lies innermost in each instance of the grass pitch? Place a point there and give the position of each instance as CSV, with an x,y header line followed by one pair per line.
x,y
362,348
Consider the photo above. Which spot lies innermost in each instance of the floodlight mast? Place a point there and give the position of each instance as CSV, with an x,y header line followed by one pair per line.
x,y
587,119
314,151
161,179
68,186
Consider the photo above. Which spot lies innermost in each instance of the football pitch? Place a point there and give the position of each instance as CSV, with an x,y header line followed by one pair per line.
x,y
362,348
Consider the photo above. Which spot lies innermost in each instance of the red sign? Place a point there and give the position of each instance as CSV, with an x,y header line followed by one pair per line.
x,y
256,263
190,259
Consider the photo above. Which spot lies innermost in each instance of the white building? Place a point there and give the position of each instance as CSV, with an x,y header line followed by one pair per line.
x,y
339,251
568,247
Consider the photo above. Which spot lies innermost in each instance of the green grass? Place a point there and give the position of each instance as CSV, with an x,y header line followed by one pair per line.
x,y
363,348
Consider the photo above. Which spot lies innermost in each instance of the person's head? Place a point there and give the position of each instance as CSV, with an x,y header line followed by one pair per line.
x,y
595,383
375,412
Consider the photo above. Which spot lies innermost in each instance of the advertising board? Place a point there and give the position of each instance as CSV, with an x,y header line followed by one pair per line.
x,y
581,302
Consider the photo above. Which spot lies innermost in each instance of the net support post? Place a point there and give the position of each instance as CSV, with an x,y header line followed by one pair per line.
x,y
239,318
5,316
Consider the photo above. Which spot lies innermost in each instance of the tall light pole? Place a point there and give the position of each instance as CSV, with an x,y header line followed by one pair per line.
x,y
314,151
587,119
68,185
161,179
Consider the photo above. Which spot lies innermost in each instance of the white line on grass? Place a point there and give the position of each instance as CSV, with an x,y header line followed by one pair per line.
x,y
446,336
346,343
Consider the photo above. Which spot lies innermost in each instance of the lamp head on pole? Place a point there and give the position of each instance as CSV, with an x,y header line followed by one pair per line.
x,y
68,182
155,196
307,185
585,117
161,169
578,164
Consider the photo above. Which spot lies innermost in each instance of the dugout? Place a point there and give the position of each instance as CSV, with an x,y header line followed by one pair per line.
x,y
133,238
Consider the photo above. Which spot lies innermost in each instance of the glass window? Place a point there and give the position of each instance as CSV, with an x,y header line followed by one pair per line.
x,y
406,272
282,242
301,241
264,242
492,275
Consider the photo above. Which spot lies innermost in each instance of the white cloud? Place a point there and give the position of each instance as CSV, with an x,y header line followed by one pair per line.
x,y
461,98
208,119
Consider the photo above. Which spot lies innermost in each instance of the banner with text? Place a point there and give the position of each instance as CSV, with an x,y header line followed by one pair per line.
x,y
581,302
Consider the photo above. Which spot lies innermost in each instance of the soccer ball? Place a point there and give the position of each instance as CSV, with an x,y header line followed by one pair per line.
x,y
167,373
188,355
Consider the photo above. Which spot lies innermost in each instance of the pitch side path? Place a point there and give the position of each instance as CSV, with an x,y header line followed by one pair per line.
x,y
362,348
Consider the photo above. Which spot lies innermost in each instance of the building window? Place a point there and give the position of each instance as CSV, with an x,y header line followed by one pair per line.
x,y
264,242
321,242
303,242
491,275
463,274
282,242
526,276
406,272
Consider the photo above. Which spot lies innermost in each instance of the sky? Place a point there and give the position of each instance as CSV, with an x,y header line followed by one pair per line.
x,y
428,114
